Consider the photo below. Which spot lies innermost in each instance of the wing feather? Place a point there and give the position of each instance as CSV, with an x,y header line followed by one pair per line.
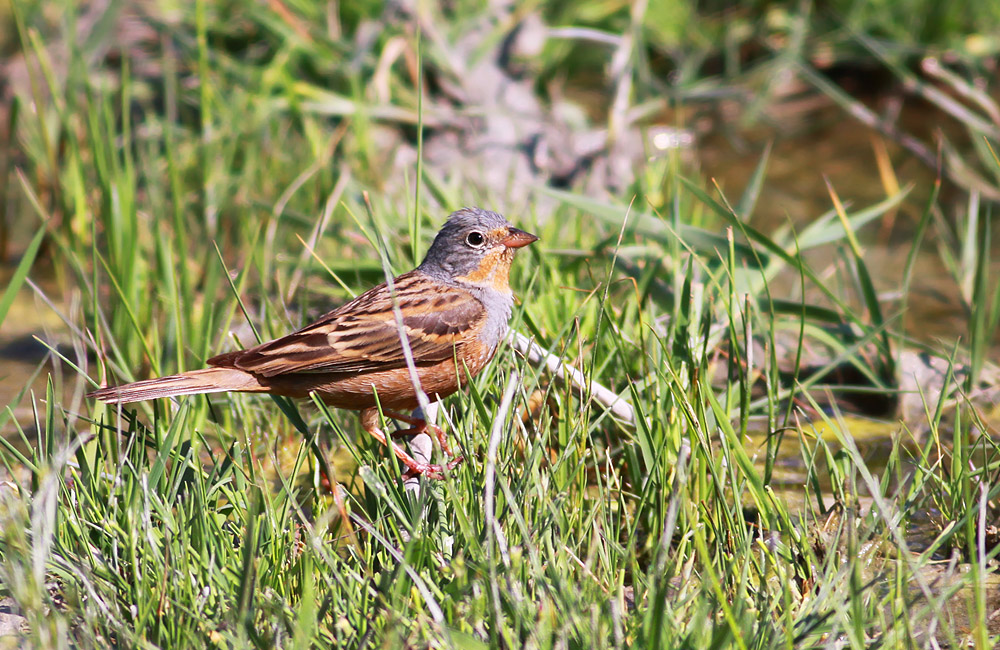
x,y
363,335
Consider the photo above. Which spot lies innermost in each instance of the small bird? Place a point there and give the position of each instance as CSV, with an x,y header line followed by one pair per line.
x,y
454,309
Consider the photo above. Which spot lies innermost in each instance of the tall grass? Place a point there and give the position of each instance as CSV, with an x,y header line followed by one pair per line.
x,y
208,521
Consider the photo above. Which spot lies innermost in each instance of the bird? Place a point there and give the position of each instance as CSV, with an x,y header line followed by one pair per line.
x,y
453,311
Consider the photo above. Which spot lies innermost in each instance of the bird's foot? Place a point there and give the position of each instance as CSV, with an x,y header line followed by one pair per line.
x,y
418,426
431,471
414,467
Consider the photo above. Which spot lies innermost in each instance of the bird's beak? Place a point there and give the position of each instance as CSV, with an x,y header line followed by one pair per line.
x,y
517,238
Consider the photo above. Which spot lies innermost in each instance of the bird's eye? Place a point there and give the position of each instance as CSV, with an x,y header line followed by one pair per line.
x,y
475,239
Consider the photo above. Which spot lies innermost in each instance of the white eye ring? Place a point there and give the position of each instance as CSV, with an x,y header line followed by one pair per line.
x,y
475,239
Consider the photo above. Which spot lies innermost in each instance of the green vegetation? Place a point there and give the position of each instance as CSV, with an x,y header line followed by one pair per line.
x,y
231,167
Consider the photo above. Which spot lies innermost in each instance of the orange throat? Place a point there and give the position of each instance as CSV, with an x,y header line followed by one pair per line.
x,y
493,271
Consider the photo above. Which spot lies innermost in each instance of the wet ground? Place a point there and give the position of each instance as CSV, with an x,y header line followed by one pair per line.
x,y
23,356
838,149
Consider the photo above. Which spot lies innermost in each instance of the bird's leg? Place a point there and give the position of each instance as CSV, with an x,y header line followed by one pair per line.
x,y
370,423
418,425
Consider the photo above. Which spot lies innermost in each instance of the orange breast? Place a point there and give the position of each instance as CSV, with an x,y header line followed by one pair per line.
x,y
395,390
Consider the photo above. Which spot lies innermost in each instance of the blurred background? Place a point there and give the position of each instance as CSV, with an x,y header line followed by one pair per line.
x,y
237,114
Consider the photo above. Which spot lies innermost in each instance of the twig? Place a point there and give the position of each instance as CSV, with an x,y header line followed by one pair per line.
x,y
565,372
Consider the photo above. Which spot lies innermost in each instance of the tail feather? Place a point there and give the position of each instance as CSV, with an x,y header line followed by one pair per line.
x,y
207,380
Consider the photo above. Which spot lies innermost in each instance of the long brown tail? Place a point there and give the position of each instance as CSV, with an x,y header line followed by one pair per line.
x,y
207,380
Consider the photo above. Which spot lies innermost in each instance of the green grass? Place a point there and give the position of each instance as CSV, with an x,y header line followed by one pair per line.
x,y
175,212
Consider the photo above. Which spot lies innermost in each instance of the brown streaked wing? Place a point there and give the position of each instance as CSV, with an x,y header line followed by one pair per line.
x,y
362,335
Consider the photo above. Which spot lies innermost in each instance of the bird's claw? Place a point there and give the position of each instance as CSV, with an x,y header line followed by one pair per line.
x,y
431,471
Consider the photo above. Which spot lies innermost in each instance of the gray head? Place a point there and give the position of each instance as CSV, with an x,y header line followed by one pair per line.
x,y
475,246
